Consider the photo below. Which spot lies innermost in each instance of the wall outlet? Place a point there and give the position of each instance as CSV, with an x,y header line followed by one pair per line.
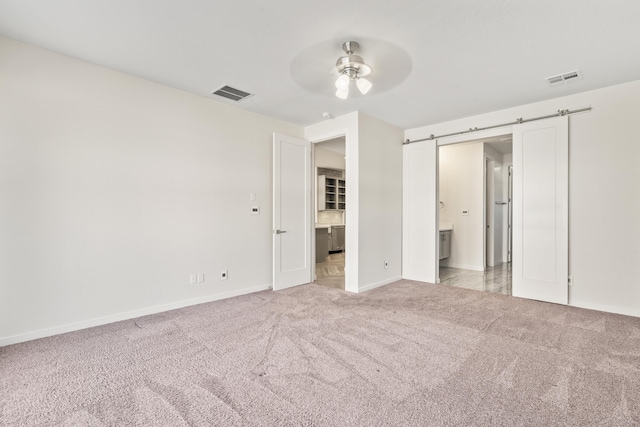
x,y
386,264
193,279
570,280
224,275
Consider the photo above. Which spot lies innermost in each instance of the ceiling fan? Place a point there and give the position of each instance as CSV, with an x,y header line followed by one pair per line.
x,y
351,67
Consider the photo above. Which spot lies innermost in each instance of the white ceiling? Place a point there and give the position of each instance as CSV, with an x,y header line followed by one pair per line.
x,y
432,60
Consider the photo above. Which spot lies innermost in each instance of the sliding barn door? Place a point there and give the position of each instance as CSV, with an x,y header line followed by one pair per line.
x,y
420,235
540,210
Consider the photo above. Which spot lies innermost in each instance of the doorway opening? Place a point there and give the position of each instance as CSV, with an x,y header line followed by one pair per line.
x,y
474,217
331,204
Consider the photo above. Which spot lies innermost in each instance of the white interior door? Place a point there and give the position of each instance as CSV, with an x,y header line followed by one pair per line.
x,y
540,210
291,211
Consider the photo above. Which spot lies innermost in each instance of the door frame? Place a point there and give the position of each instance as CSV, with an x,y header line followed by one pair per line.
x,y
479,138
509,222
347,126
314,200
488,223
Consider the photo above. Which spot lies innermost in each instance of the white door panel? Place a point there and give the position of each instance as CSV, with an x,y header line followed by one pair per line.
x,y
291,211
540,210
420,237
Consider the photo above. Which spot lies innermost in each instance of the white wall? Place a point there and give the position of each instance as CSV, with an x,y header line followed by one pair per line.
x,y
114,189
328,159
604,207
461,169
380,187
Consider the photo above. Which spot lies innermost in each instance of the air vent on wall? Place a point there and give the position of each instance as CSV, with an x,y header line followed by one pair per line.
x,y
565,77
231,93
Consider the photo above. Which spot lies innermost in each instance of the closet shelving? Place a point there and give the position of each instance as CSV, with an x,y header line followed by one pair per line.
x,y
332,193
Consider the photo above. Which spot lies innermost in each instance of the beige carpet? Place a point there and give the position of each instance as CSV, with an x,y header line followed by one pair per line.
x,y
406,354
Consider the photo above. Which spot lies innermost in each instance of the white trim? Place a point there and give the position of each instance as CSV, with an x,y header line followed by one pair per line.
x,y
605,308
378,284
99,321
329,135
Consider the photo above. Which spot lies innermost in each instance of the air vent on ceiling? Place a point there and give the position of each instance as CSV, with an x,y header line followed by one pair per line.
x,y
231,93
565,77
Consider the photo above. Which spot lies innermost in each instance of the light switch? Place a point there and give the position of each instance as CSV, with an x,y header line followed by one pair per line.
x,y
253,196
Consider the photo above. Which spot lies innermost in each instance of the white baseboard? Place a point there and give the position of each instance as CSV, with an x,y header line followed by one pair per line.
x,y
76,326
605,308
378,284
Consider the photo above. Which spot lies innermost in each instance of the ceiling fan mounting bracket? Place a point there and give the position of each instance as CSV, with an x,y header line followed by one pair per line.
x,y
352,65
350,47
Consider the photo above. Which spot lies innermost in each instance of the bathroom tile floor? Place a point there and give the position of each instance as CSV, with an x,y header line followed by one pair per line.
x,y
494,279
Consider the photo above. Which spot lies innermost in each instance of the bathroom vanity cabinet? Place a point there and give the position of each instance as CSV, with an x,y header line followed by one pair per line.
x,y
445,244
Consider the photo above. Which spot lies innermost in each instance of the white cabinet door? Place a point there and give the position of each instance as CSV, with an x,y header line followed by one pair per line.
x,y
540,210
291,211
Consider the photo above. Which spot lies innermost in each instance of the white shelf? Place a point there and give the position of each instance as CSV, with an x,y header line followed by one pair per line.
x,y
331,193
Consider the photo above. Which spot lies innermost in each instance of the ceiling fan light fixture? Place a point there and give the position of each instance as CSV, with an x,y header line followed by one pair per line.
x,y
364,85
342,82
343,93
351,67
